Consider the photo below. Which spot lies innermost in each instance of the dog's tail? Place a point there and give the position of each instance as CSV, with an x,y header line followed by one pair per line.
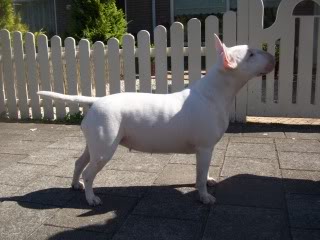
x,y
68,98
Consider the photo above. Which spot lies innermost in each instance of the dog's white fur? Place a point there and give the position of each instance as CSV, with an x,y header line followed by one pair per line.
x,y
190,121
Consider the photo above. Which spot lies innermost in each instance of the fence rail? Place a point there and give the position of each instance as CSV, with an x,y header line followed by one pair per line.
x,y
293,89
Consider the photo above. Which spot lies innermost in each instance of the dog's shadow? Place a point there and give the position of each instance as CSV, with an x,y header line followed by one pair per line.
x,y
175,200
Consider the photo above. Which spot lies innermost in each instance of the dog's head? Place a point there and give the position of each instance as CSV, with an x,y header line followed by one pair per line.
x,y
242,61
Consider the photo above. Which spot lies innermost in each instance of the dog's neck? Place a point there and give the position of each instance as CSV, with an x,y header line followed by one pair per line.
x,y
219,86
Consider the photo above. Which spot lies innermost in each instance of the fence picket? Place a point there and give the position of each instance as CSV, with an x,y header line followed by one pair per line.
x,y
160,42
85,69
144,61
20,75
242,38
99,69
32,75
2,105
194,45
305,63
256,28
229,38
270,77
286,66
114,65
129,63
211,28
177,56
45,79
8,74
58,78
71,72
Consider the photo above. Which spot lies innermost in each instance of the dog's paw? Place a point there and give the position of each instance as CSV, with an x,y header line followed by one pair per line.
x,y
77,186
207,198
94,201
211,182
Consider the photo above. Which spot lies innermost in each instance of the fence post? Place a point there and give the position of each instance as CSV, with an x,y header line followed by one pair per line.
x,y
177,56
144,61
211,28
160,42
71,72
45,75
129,62
304,84
32,76
242,38
114,65
230,39
194,46
85,69
20,75
8,74
99,69
58,78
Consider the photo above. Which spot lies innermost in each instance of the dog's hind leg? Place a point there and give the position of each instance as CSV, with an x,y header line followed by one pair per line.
x,y
80,164
97,161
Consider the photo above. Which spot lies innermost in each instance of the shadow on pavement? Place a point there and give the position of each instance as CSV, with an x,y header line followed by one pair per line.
x,y
267,202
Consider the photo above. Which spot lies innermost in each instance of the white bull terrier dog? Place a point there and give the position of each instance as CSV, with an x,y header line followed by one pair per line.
x,y
190,121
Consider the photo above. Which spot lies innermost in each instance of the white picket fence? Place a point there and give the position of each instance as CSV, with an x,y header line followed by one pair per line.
x,y
98,70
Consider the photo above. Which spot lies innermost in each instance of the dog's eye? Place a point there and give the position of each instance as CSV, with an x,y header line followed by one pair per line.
x,y
251,54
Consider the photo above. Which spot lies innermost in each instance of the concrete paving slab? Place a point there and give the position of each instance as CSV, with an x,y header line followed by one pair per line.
x,y
304,211
60,233
106,218
300,160
301,182
18,222
22,147
255,140
49,156
249,150
124,183
295,145
140,162
216,160
7,191
144,228
234,222
172,202
255,166
245,190
48,190
23,174
177,174
7,160
76,143
303,135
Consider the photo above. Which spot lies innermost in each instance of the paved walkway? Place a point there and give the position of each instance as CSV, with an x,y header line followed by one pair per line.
x,y
268,188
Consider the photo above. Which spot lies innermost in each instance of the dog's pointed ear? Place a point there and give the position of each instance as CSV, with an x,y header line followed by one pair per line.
x,y
222,52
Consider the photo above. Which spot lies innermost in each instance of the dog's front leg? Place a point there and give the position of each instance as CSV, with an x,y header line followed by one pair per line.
x,y
203,163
